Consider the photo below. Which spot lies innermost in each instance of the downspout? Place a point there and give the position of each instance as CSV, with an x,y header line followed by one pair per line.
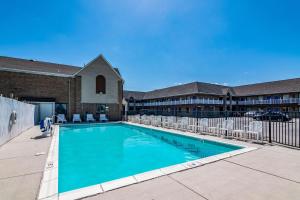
x,y
69,113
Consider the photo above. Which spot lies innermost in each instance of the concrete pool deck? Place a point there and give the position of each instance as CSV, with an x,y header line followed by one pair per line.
x,y
21,170
270,172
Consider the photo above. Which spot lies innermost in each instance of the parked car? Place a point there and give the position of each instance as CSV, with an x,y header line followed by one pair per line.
x,y
273,116
251,113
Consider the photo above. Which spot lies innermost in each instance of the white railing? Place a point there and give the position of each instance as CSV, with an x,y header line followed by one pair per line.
x,y
269,101
218,102
180,102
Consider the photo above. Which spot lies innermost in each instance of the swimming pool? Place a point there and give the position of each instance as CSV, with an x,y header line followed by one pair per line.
x,y
93,154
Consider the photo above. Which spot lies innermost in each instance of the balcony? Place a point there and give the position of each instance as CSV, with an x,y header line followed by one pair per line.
x,y
269,101
180,102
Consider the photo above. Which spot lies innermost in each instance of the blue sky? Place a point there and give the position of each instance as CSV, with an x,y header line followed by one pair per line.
x,y
159,43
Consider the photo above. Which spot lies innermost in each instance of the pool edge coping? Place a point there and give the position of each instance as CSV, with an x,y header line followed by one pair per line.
x,y
49,187
49,182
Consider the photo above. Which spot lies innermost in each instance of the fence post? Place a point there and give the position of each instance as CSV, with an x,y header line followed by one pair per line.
x,y
270,133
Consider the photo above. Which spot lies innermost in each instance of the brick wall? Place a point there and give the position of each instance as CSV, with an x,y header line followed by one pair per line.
x,y
33,85
62,89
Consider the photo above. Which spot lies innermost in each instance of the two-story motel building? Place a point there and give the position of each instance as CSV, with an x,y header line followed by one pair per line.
x,y
283,95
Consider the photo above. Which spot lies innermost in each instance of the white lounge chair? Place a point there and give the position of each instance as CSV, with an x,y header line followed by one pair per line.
x,y
171,122
202,125
61,118
147,120
240,133
137,119
90,118
192,124
157,120
227,127
255,130
183,124
151,119
164,121
103,118
76,118
214,129
177,123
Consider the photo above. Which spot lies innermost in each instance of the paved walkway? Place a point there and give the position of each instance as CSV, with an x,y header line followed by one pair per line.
x,y
20,169
271,172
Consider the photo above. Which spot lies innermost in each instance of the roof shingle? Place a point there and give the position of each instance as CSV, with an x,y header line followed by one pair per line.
x,y
13,64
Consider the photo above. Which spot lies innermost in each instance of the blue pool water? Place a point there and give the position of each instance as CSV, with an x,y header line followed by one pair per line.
x,y
93,154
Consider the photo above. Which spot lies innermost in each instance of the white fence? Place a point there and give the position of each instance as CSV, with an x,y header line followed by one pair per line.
x,y
15,117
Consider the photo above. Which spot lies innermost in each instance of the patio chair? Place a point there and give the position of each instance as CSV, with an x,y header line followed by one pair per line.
x,y
76,118
164,121
130,118
213,129
171,122
183,124
143,119
202,125
158,120
90,118
255,130
103,118
240,133
146,120
137,119
151,120
177,123
227,127
192,124
61,118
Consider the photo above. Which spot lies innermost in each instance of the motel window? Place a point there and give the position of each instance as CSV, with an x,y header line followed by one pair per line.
x,y
100,84
102,109
61,108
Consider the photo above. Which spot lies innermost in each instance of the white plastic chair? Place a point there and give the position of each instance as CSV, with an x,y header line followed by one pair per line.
x,y
76,118
103,118
184,124
202,125
177,123
164,121
158,120
61,118
171,122
90,118
137,119
255,129
227,127
192,124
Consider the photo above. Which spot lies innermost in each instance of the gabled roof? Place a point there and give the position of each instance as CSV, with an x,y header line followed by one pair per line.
x,y
115,70
273,87
180,90
36,67
134,94
186,89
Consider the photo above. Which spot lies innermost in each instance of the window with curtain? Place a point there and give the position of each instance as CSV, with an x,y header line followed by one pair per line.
x,y
100,84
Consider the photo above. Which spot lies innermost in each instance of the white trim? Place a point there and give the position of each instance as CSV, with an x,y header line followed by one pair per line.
x,y
49,183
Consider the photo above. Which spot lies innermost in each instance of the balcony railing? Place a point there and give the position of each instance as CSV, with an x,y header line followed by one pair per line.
x,y
180,102
218,102
270,101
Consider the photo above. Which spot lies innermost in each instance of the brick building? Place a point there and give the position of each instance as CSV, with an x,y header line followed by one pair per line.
x,y
55,88
283,95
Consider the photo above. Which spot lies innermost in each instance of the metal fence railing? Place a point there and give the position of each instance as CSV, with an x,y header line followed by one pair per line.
x,y
277,127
